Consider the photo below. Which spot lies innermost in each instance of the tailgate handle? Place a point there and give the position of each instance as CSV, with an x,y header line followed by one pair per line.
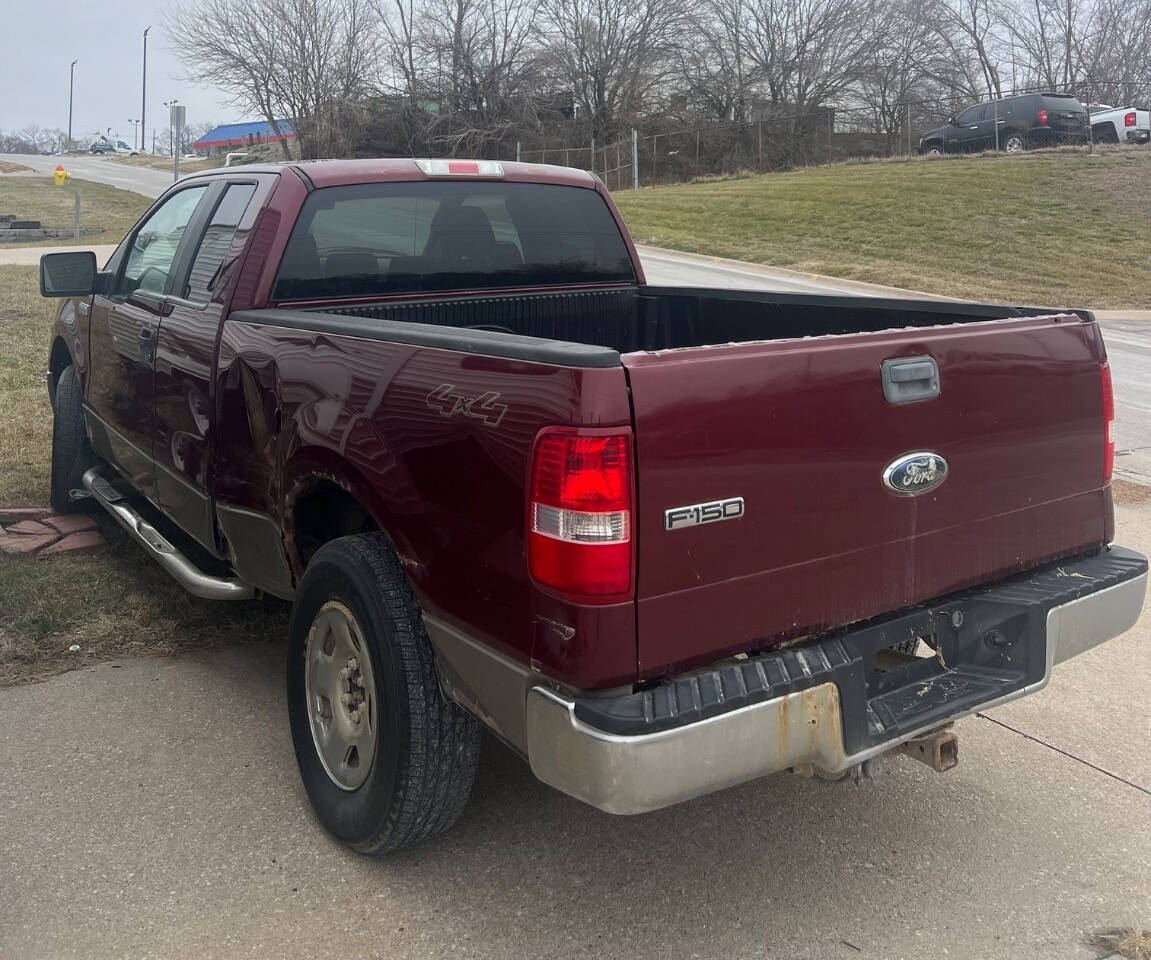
x,y
910,379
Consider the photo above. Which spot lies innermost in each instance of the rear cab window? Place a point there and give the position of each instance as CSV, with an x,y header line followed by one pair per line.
x,y
384,239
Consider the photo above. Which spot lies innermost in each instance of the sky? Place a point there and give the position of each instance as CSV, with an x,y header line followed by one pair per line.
x,y
42,38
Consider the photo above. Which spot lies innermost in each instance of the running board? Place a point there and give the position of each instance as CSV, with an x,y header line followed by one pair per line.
x,y
185,573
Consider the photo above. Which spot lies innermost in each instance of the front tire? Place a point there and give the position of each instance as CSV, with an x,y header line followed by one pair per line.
x,y
386,761
71,455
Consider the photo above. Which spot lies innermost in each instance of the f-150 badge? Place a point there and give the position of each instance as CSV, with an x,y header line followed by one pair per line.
x,y
692,516
915,473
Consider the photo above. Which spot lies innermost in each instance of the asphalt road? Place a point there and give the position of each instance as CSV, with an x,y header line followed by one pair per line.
x,y
153,809
151,183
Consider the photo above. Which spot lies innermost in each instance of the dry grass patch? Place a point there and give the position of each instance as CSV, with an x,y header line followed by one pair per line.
x,y
165,163
7,166
111,604
1130,942
26,424
1054,227
38,198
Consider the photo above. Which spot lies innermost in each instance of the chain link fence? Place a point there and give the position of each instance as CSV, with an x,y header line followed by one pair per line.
x,y
780,139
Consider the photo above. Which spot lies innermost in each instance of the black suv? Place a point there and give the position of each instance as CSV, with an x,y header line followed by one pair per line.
x,y
1022,122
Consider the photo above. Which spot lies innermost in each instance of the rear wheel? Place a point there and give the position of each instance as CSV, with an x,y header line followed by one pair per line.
x,y
71,455
1014,143
385,759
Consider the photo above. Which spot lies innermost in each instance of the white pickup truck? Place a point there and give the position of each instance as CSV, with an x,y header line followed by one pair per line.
x,y
1119,124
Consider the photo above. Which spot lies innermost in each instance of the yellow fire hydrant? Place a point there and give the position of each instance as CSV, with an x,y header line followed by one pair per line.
x,y
60,177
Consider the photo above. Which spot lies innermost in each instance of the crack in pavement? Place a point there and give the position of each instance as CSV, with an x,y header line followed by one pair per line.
x,y
1051,746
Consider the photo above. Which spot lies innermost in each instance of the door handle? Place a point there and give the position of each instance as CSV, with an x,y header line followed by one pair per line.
x,y
910,379
147,334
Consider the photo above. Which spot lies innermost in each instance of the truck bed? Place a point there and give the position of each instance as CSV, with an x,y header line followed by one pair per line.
x,y
778,400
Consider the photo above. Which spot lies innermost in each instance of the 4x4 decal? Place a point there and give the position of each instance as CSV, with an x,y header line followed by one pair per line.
x,y
484,408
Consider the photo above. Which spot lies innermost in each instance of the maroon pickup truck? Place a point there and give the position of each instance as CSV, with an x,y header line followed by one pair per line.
x,y
658,540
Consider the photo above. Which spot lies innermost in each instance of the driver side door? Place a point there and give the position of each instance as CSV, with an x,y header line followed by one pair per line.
x,y
965,133
119,406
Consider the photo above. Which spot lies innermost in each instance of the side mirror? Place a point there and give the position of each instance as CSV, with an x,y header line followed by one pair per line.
x,y
69,274
951,122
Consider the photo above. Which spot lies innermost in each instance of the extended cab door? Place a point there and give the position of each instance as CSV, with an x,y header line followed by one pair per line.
x,y
186,353
122,339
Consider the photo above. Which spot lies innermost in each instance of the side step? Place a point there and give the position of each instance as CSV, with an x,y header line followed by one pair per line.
x,y
185,573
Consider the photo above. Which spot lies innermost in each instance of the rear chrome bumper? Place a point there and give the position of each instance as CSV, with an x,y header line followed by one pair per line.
x,y
628,774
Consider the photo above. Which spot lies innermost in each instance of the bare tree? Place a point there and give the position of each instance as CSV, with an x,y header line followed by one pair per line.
x,y
307,61
970,33
714,64
611,53
898,64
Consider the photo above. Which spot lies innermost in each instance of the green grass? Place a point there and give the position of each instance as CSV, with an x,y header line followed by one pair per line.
x,y
114,603
1055,227
38,198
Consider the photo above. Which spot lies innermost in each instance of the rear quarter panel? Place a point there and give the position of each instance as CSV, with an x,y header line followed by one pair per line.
x,y
449,490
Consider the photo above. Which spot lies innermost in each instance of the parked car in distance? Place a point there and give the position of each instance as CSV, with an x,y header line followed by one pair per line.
x,y
114,146
659,540
1119,124
1012,124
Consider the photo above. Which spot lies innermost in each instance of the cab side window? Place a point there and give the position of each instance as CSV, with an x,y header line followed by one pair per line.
x,y
153,248
971,115
217,241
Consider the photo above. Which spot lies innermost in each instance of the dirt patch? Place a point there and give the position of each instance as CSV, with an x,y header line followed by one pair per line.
x,y
1129,942
1126,491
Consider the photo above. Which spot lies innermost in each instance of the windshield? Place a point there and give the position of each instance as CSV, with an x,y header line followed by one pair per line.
x,y
390,238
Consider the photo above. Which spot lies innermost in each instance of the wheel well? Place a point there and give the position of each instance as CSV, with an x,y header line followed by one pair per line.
x,y
325,511
60,358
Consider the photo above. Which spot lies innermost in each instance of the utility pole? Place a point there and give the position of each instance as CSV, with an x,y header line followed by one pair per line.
x,y
144,93
71,86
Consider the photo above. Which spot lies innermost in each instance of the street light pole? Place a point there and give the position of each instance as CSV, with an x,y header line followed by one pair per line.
x,y
71,86
144,91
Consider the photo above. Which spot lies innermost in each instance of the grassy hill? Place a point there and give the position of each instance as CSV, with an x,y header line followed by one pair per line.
x,y
37,198
1052,227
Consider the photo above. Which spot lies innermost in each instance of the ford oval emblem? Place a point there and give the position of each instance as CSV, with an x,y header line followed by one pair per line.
x,y
915,473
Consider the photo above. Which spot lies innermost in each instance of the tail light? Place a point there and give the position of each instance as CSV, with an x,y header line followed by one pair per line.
x,y
1108,423
580,538
1042,118
1129,119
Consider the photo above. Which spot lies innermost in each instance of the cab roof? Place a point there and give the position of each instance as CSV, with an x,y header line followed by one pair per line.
x,y
334,173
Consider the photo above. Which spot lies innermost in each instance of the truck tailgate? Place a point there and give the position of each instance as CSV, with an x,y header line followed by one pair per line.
x,y
802,431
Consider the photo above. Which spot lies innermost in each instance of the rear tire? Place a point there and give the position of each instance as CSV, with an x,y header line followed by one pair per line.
x,y
71,455
419,752
1014,143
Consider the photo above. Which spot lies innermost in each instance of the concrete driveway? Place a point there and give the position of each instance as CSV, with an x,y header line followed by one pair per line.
x,y
152,809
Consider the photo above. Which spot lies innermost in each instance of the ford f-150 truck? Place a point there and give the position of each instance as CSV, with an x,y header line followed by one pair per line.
x,y
658,540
